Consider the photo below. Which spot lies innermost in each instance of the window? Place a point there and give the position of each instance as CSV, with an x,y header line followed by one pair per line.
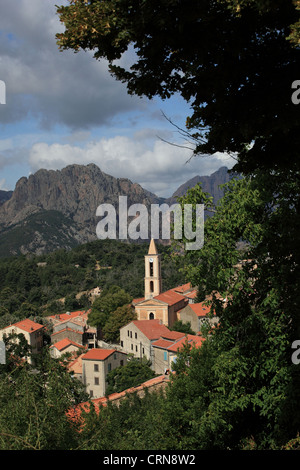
x,y
96,380
135,335
109,367
132,347
165,355
151,269
121,344
121,362
115,356
96,368
151,316
151,286
136,349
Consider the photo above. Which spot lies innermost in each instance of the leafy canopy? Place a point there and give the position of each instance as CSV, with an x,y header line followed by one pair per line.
x,y
231,60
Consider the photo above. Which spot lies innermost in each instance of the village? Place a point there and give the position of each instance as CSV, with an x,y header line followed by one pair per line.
x,y
149,336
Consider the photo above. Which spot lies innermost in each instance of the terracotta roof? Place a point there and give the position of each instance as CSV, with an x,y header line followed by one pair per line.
x,y
76,365
200,309
162,343
183,288
152,329
170,297
172,335
27,325
67,329
75,413
64,343
179,342
191,295
98,354
191,339
68,315
136,301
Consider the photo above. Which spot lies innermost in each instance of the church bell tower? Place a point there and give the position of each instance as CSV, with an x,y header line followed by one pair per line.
x,y
153,284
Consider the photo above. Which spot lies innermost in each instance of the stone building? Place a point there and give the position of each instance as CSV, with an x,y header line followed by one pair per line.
x,y
32,331
138,336
96,364
156,304
197,314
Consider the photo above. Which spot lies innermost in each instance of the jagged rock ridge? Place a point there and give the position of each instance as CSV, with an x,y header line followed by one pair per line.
x,y
52,209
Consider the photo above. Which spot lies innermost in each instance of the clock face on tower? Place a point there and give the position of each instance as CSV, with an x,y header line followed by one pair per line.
x,y
151,260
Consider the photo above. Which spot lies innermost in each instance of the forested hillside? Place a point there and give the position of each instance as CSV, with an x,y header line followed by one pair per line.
x,y
33,285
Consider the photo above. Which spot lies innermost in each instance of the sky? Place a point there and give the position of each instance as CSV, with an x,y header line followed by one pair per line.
x,y
63,108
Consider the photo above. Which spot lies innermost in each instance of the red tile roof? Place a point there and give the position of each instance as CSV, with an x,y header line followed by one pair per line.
x,y
191,295
137,301
67,329
193,340
179,342
75,413
200,309
173,335
170,297
27,325
64,343
69,315
98,354
152,329
163,343
183,288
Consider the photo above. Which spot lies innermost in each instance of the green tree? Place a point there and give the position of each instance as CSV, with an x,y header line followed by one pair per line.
x,y
35,405
234,66
135,372
234,62
109,300
182,327
117,319
254,383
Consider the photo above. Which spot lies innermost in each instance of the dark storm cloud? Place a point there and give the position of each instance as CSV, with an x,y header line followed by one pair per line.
x,y
42,82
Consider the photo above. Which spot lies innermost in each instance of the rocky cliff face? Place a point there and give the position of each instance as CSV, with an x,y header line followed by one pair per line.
x,y
210,184
57,209
75,192
5,196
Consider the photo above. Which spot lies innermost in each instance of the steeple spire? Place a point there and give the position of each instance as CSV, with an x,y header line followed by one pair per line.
x,y
153,281
152,248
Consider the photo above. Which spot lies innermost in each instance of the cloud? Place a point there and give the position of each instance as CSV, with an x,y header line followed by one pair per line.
x,y
54,87
3,185
159,167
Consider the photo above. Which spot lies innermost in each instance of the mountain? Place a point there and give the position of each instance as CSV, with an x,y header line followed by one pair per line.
x,y
5,196
210,184
54,209
62,203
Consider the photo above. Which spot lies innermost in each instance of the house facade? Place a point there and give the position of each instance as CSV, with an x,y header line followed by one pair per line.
x,y
198,314
166,351
138,336
32,331
96,364
73,326
64,346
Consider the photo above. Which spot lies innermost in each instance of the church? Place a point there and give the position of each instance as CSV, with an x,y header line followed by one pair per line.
x,y
156,304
